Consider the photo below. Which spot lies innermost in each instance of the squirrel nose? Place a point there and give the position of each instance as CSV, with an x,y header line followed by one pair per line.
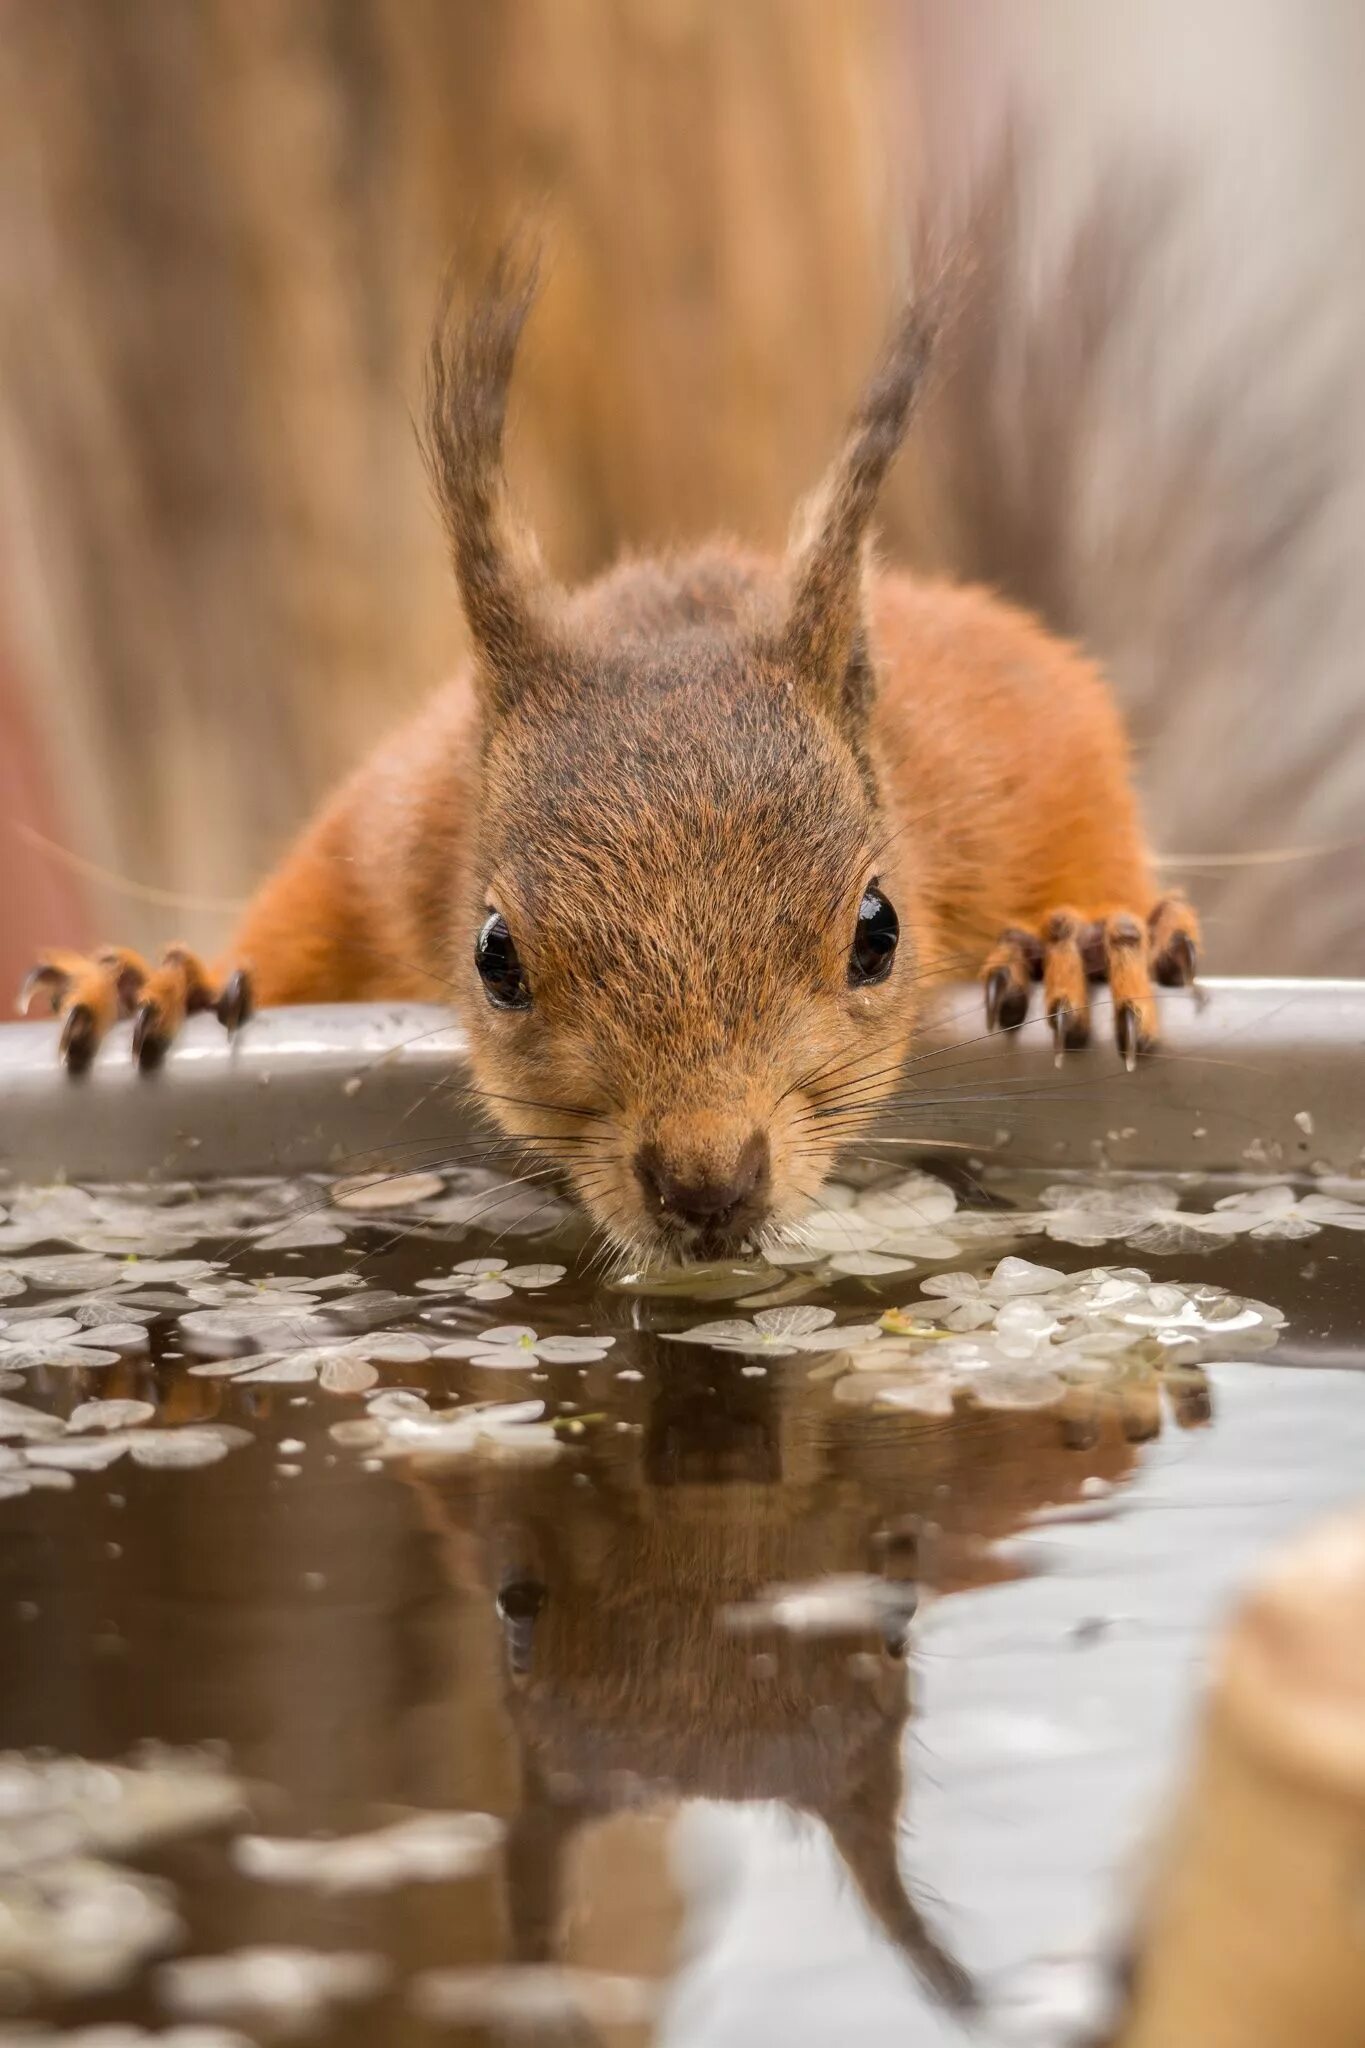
x,y
700,1195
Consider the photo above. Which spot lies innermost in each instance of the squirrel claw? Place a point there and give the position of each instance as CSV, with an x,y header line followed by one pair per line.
x,y
1006,1002
149,1043
996,988
234,1006
79,1039
50,980
1070,1029
1175,966
1132,1039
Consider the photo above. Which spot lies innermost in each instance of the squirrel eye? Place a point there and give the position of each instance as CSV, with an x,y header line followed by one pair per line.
x,y
495,957
874,940
519,1604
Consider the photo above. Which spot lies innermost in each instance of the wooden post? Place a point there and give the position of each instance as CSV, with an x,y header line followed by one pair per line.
x,y
1255,1934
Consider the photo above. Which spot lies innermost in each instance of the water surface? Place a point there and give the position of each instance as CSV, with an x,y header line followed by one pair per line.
x,y
788,1824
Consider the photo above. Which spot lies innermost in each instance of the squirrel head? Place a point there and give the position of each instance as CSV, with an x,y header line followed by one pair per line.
x,y
685,978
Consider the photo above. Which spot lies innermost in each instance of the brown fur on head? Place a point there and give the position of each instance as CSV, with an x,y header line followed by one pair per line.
x,y
677,824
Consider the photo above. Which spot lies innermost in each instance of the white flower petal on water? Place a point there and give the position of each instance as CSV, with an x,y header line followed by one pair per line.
x,y
551,2001
306,1233
368,1193
295,1369
730,1331
19,1421
1277,1199
953,1286
512,1429
792,1322
488,1290
969,1315
140,1272
347,1374
915,1245
397,1349
479,1269
1025,1315
1292,1226
391,1401
265,1298
178,1449
515,1346
69,1270
289,1988
361,1434
843,1337
1021,1276
76,1927
777,1333
781,1255
533,1277
842,1230
117,1336
868,1265
50,1479
218,1331
111,1415
80,1454
572,1350
1335,1210
66,1358
48,1329
914,1203
428,1849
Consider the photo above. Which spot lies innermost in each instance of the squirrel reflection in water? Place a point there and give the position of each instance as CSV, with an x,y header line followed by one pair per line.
x,y
613,1574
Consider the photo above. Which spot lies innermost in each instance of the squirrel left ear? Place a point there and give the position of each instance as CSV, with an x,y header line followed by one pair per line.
x,y
508,598
824,639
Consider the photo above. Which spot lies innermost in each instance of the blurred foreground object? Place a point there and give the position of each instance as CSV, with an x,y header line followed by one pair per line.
x,y
1255,1936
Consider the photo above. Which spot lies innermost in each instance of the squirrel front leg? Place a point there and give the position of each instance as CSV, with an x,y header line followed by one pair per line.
x,y
308,935
356,911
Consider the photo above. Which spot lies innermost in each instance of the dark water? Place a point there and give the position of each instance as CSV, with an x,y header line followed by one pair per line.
x,y
786,1836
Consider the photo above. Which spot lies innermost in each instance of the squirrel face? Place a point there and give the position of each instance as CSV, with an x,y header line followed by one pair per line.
x,y
682,937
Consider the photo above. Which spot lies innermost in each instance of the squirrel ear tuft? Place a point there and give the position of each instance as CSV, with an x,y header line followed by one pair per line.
x,y
824,637
507,596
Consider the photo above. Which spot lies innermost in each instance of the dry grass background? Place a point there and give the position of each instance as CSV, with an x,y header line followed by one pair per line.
x,y
223,228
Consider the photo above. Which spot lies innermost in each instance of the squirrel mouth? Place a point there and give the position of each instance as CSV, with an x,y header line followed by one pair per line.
x,y
701,1243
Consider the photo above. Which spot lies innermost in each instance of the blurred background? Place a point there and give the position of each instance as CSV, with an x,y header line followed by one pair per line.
x,y
222,228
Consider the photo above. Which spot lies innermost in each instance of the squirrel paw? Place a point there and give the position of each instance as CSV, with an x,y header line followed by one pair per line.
x,y
1071,950
91,992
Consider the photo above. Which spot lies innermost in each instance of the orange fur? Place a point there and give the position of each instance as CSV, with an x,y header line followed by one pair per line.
x,y
675,787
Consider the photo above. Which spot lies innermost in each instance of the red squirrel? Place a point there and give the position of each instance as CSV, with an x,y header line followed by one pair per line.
x,y
688,844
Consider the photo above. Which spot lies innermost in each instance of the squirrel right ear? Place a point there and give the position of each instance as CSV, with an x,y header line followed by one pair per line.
x,y
824,638
507,596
